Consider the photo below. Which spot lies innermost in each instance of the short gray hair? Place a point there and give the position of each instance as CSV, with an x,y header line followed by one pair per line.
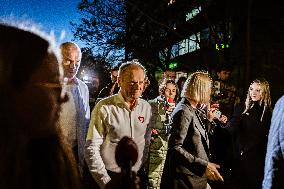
x,y
131,64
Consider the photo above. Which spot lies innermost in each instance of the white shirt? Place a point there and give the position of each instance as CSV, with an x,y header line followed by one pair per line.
x,y
111,120
75,116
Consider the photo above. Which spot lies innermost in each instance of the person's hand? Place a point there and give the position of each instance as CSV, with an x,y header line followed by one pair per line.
x,y
223,119
210,114
212,173
154,134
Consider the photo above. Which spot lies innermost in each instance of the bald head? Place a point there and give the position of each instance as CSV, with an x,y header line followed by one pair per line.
x,y
67,46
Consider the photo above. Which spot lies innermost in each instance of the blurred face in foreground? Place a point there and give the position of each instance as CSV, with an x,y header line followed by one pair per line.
x,y
131,83
34,89
46,91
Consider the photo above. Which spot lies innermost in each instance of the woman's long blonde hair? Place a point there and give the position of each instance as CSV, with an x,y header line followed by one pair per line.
x,y
197,87
265,96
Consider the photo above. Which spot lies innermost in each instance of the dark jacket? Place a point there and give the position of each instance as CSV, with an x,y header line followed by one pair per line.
x,y
274,162
110,89
250,140
188,152
123,181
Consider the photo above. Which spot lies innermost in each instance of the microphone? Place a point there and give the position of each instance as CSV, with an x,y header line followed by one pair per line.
x,y
170,104
170,100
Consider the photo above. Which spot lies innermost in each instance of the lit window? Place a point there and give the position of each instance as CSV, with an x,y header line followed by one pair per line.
x,y
190,44
192,13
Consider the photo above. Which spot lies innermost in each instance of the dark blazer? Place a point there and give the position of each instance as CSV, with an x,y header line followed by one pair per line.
x,y
188,152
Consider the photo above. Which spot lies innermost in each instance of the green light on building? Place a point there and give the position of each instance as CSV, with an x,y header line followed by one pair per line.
x,y
173,65
221,46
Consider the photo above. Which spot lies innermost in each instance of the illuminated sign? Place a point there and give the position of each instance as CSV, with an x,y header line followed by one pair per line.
x,y
221,46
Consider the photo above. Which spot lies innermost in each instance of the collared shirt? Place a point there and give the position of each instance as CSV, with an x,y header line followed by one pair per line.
x,y
75,116
111,120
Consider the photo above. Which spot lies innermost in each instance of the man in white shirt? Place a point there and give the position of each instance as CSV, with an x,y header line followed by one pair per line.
x,y
75,113
123,114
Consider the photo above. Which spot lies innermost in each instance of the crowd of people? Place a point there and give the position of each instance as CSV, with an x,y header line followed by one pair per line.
x,y
195,134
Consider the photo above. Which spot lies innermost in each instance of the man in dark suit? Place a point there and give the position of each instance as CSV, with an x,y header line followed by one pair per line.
x,y
111,88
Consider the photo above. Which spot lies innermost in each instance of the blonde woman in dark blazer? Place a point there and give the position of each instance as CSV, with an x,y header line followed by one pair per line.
x,y
187,163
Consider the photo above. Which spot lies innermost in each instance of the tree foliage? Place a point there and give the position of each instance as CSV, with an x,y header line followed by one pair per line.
x,y
147,30
118,29
102,27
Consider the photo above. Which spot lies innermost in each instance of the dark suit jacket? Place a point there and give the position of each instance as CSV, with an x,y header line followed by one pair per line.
x,y
188,153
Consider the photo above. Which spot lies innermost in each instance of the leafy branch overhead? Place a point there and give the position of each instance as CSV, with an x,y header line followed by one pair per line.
x,y
102,27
